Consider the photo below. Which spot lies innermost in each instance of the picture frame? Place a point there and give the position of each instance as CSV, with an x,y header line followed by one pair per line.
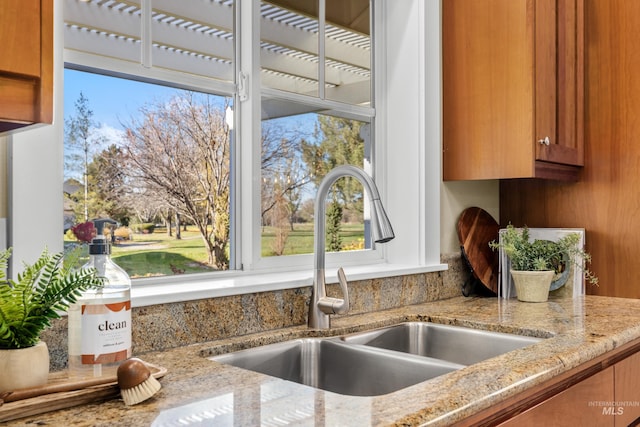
x,y
570,283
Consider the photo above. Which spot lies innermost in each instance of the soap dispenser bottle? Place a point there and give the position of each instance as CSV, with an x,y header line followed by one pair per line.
x,y
100,320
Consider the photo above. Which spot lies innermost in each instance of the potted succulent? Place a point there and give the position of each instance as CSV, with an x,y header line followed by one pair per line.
x,y
27,306
535,263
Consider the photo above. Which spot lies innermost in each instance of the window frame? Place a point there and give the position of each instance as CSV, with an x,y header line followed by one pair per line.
x,y
407,128
373,255
250,65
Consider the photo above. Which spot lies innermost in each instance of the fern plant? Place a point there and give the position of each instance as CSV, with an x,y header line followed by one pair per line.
x,y
45,287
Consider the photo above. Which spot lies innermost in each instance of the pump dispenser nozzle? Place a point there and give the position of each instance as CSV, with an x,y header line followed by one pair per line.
x,y
100,245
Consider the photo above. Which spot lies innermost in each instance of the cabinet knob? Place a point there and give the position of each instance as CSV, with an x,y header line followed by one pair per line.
x,y
545,141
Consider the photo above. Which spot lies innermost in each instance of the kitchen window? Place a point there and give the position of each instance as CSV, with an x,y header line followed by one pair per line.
x,y
398,140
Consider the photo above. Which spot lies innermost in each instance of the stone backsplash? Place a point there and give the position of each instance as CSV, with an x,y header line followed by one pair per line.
x,y
165,326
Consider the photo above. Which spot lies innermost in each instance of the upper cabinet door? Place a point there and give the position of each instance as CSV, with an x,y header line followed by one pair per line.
x,y
512,89
560,81
26,63
20,36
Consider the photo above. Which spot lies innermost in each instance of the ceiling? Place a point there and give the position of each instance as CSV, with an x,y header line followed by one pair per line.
x,y
349,14
196,37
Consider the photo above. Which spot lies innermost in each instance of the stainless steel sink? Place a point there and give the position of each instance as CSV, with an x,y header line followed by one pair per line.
x,y
456,344
338,367
379,361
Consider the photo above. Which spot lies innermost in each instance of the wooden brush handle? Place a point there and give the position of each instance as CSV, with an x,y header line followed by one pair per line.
x,y
59,383
27,393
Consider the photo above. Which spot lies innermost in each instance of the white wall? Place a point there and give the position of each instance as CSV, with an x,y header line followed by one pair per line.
x,y
456,196
35,157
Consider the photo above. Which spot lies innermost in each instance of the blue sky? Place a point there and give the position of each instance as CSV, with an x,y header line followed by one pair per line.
x,y
112,100
116,100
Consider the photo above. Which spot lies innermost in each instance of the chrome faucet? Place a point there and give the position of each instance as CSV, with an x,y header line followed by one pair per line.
x,y
321,305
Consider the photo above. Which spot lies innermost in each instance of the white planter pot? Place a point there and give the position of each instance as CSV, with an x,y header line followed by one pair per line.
x,y
24,367
532,286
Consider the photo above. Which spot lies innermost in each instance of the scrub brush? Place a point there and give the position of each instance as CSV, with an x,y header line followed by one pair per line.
x,y
136,382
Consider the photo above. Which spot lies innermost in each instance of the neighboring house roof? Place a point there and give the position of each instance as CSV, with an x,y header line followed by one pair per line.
x,y
70,186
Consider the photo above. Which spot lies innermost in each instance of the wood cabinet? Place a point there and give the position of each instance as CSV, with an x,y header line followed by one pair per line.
x,y
627,391
579,405
601,392
605,200
513,74
26,63
608,398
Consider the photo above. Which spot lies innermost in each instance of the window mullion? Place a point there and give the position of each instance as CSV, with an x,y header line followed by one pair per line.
x,y
145,36
321,48
248,136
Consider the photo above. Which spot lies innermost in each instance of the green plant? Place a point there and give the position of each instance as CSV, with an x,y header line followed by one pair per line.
x,y
333,227
28,304
538,255
144,228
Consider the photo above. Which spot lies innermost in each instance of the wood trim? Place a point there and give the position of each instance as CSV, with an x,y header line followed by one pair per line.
x,y
567,69
17,99
546,77
45,92
556,171
580,81
515,405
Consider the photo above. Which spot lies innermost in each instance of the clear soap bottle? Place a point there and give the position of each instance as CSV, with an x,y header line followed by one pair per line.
x,y
100,321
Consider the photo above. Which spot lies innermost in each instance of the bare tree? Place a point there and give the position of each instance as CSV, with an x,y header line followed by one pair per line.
x,y
146,205
81,143
279,220
283,173
170,217
179,151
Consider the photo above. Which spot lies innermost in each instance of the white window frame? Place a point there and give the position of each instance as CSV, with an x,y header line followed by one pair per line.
x,y
407,169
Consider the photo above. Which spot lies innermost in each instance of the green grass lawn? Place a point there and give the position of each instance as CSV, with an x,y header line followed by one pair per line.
x,y
300,240
157,254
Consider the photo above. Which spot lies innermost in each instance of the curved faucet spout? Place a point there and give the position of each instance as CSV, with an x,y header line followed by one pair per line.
x,y
322,306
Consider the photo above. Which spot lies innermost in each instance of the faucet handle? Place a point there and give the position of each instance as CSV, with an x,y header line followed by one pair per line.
x,y
330,305
342,281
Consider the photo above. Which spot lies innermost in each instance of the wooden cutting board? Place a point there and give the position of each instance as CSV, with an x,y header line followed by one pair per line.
x,y
476,228
61,392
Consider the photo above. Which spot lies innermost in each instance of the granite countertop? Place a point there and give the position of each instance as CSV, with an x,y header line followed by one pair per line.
x,y
195,388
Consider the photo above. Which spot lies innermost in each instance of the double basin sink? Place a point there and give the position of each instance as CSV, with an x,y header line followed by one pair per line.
x,y
376,362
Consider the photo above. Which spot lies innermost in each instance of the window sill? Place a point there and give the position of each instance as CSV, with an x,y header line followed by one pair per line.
x,y
145,294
